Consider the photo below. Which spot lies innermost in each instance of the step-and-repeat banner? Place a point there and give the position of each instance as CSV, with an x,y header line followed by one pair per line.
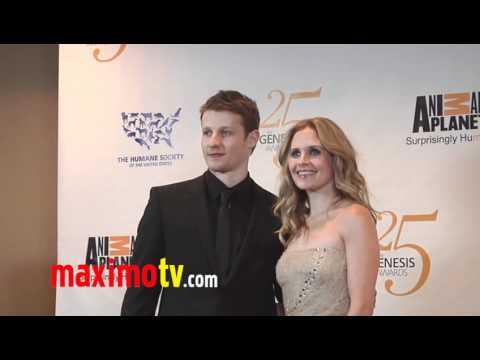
x,y
129,120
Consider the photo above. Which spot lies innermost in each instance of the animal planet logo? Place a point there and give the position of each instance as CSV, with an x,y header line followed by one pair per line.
x,y
447,114
404,267
102,248
147,129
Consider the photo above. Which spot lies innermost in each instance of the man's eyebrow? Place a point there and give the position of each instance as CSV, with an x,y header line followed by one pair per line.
x,y
220,128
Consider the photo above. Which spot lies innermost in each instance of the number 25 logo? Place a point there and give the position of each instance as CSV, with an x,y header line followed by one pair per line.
x,y
281,121
395,245
120,50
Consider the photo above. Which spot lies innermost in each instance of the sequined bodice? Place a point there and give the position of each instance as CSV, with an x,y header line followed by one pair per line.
x,y
314,281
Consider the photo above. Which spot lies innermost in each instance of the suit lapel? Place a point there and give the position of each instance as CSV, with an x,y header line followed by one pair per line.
x,y
250,240
198,196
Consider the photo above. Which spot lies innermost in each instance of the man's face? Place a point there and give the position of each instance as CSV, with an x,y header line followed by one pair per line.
x,y
224,145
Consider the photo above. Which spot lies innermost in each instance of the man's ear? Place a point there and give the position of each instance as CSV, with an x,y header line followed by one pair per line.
x,y
252,138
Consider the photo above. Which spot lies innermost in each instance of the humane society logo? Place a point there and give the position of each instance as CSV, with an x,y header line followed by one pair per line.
x,y
149,130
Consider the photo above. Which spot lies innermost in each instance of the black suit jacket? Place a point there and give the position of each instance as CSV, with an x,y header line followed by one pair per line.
x,y
175,226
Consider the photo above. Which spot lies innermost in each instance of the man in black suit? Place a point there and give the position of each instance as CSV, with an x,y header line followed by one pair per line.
x,y
219,223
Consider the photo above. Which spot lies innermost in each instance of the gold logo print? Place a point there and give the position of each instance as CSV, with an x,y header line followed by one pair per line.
x,y
281,121
120,50
457,104
395,245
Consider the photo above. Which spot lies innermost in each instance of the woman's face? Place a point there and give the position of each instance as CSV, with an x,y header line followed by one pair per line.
x,y
309,164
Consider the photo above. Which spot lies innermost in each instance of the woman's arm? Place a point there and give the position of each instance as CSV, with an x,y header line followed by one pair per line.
x,y
362,250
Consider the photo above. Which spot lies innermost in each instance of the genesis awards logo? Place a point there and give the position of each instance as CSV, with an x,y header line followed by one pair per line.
x,y
275,125
104,53
149,130
404,264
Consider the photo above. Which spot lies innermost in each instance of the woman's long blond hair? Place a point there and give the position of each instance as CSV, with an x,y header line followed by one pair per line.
x,y
292,205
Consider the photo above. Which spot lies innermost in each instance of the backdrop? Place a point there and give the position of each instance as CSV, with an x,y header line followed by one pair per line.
x,y
129,120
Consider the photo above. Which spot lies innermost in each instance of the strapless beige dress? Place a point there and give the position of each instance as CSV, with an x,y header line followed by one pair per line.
x,y
314,281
